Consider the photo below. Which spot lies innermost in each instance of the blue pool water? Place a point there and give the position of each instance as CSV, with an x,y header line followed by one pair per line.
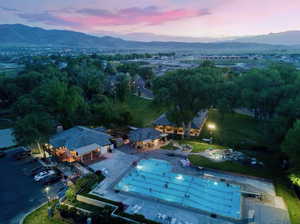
x,y
154,178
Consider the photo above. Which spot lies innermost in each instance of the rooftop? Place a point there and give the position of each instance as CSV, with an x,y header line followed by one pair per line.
x,y
196,122
78,137
143,134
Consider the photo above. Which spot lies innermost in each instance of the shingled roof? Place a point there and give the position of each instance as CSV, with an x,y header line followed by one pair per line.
x,y
196,123
143,134
80,136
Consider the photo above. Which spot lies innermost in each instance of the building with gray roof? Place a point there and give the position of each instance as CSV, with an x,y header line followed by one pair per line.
x,y
142,138
164,125
81,142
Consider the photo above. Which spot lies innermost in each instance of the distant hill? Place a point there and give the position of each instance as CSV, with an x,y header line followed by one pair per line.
x,y
21,35
283,38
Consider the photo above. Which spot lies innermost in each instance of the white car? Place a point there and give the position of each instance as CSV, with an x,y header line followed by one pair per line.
x,y
43,174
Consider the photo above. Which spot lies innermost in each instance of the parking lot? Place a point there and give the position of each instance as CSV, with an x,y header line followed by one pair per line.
x,y
19,193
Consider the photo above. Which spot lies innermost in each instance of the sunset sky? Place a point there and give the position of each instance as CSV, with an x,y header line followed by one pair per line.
x,y
193,18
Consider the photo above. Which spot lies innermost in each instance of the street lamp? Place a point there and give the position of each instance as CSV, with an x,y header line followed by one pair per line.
x,y
47,189
211,127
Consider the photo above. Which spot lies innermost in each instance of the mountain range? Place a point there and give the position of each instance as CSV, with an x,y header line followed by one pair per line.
x,y
21,35
283,38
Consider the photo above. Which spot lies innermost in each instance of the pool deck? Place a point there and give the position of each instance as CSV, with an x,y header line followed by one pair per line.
x,y
271,211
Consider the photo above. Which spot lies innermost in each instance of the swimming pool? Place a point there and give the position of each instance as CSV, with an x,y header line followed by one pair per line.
x,y
154,178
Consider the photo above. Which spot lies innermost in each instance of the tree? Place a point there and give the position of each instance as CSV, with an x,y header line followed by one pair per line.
x,y
291,144
26,104
186,92
228,97
122,87
34,129
61,101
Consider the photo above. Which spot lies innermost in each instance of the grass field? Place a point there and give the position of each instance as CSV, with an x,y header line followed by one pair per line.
x,y
199,146
235,130
229,166
143,111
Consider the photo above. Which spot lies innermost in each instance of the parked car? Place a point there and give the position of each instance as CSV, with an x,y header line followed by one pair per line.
x,y
39,169
43,174
50,179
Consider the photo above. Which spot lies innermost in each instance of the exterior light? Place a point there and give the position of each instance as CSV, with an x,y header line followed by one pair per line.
x,y
211,126
139,167
179,177
126,188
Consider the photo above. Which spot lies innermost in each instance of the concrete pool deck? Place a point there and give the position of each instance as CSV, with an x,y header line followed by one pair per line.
x,y
271,211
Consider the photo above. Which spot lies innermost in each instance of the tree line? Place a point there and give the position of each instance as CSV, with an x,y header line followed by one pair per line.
x,y
86,91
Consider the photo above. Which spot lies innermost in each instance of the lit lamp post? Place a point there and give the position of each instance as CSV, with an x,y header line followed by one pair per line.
x,y
47,191
211,127
50,212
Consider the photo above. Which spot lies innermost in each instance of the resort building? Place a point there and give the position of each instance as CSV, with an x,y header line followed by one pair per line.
x,y
163,125
80,144
146,138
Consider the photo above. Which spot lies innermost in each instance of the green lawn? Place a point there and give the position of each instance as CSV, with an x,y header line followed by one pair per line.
x,y
168,147
199,146
40,216
291,200
235,129
229,166
143,111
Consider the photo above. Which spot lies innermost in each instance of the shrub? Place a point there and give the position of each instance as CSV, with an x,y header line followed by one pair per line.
x,y
295,178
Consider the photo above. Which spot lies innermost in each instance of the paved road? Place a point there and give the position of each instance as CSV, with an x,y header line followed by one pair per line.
x,y
18,192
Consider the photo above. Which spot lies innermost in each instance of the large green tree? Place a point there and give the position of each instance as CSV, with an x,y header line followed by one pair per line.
x,y
291,144
186,92
34,129
61,101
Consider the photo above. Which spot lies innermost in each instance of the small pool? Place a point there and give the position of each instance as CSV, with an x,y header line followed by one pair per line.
x,y
154,178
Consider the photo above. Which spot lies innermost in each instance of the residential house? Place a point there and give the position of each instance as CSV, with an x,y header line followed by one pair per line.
x,y
163,125
80,144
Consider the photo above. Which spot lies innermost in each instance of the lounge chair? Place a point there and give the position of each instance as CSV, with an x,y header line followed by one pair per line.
x,y
134,208
137,209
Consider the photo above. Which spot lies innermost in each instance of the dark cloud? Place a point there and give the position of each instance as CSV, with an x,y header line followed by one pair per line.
x,y
47,18
9,9
94,12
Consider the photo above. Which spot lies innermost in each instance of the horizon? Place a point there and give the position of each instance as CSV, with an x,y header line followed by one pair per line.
x,y
211,20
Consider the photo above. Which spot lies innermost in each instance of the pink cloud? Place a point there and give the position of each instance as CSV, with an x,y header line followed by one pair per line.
x,y
89,18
